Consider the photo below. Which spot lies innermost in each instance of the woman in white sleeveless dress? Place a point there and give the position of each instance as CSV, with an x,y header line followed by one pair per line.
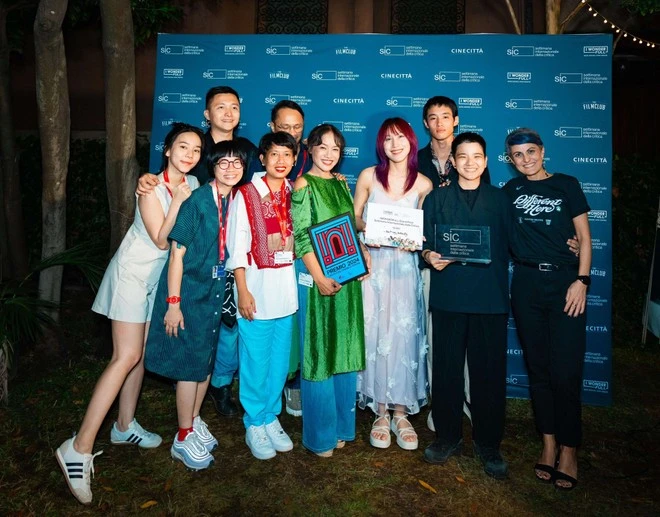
x,y
126,297
395,378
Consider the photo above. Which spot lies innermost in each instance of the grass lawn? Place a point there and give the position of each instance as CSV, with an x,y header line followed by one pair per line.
x,y
618,462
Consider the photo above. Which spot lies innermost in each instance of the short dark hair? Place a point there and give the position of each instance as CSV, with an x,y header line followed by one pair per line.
x,y
277,138
440,100
219,90
522,135
316,136
223,149
179,128
468,138
285,104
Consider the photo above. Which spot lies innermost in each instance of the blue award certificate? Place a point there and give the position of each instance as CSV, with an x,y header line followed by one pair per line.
x,y
463,243
337,249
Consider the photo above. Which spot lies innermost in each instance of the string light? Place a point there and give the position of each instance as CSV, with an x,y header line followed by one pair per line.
x,y
617,29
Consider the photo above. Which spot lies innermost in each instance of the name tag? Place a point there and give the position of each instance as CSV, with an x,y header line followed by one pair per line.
x,y
305,279
283,257
218,271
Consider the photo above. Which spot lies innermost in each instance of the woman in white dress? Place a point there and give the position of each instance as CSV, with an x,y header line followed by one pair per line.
x,y
394,315
126,297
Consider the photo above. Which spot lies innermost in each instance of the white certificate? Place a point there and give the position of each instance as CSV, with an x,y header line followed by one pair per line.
x,y
396,226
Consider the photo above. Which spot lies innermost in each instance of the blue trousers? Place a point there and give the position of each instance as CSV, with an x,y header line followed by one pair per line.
x,y
226,357
263,349
329,405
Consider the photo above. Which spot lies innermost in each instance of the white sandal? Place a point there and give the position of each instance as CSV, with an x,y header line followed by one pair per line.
x,y
380,429
404,432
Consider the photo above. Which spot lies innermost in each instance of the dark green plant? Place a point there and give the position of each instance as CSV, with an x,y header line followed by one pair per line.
x,y
23,316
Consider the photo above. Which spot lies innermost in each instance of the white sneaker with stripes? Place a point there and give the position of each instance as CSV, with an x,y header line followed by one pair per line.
x,y
134,435
76,468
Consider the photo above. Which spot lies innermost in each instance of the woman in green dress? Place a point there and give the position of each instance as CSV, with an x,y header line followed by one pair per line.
x,y
330,315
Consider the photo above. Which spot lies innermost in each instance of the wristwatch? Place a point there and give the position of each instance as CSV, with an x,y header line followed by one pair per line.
x,y
585,279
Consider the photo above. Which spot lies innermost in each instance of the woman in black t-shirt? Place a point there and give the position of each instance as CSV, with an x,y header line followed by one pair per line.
x,y
549,298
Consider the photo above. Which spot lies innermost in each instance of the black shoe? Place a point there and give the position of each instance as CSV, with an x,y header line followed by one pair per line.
x,y
222,401
494,464
440,451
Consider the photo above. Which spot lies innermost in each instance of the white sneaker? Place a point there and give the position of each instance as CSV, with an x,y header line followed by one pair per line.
x,y
191,452
134,435
429,422
257,440
278,438
76,468
205,436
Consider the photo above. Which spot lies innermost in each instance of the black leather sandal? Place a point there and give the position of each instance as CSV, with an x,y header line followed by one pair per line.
x,y
544,468
560,476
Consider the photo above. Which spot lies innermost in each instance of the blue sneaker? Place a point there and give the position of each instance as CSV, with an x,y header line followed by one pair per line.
x,y
191,452
134,435
203,433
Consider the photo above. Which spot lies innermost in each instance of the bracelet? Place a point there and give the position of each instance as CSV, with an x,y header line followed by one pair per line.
x,y
173,299
425,254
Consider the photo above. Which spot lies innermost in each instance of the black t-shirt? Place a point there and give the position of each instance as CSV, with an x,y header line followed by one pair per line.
x,y
543,213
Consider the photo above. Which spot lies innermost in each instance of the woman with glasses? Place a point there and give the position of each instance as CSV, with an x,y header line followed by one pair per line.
x,y
183,340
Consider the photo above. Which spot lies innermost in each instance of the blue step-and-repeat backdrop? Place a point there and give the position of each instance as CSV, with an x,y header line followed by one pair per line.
x,y
558,85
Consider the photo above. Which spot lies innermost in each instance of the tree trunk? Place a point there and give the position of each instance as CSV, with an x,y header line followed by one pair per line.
x,y
54,130
121,167
552,13
13,250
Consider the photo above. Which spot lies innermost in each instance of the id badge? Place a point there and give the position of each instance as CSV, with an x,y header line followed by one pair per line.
x,y
283,257
305,279
218,271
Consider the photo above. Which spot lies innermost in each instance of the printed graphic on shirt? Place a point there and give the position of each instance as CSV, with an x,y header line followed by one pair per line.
x,y
534,205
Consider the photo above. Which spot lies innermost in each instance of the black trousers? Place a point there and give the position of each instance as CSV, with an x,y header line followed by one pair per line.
x,y
554,346
484,338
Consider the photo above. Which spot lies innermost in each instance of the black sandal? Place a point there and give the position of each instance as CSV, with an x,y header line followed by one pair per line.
x,y
544,468
560,476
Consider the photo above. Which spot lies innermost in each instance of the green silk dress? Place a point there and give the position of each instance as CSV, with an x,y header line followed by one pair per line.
x,y
333,340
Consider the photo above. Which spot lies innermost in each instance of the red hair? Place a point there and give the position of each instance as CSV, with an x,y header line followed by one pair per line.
x,y
396,125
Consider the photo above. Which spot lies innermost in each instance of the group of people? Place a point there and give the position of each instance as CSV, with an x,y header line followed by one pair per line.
x,y
220,259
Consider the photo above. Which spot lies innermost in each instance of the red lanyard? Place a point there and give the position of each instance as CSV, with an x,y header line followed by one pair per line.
x,y
166,177
281,209
222,224
302,165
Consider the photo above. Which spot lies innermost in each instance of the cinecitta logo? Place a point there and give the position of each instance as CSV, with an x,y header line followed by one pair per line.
x,y
467,51
589,159
404,75
344,100
596,328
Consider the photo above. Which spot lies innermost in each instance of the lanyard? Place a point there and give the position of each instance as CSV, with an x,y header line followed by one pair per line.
x,y
302,165
281,209
222,222
166,177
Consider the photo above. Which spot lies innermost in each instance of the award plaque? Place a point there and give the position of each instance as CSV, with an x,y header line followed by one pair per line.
x,y
463,243
337,249
395,226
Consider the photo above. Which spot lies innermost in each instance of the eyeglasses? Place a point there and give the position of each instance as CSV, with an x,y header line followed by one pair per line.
x,y
297,128
224,164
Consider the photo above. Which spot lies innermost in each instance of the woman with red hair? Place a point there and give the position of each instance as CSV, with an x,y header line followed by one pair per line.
x,y
394,314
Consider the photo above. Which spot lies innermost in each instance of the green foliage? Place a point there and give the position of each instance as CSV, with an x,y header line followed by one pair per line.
x,y
23,316
642,7
635,190
149,16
